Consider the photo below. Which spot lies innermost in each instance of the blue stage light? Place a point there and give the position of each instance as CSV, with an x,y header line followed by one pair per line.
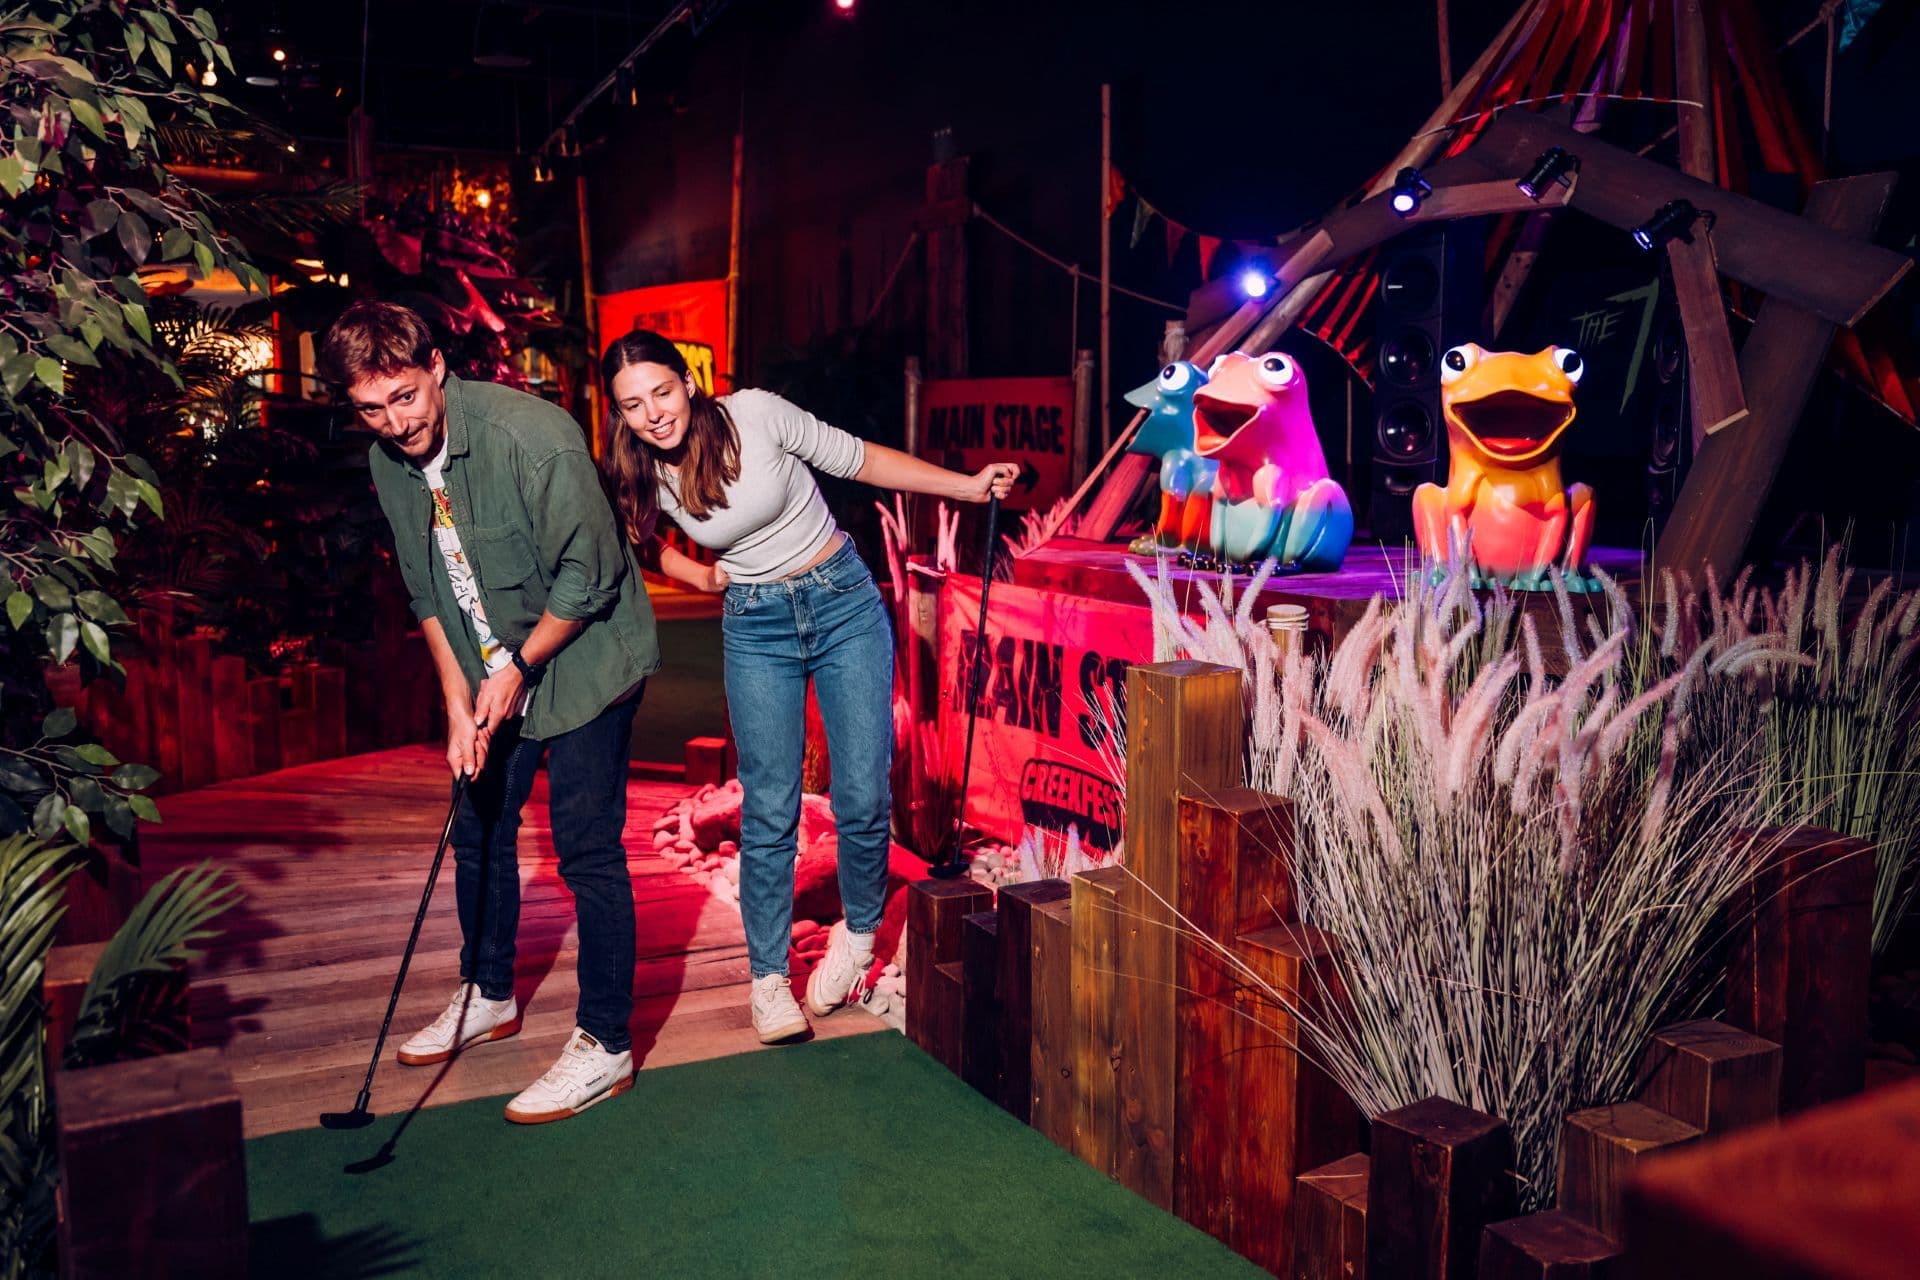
x,y
1409,189
1255,283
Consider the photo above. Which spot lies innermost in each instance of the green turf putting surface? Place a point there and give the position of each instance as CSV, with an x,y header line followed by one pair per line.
x,y
851,1157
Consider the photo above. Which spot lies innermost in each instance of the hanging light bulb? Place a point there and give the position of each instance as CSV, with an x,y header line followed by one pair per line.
x,y
1409,189
209,77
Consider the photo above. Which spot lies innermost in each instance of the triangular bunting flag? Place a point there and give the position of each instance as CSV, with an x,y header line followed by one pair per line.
x,y
1142,218
1175,234
1116,189
1209,245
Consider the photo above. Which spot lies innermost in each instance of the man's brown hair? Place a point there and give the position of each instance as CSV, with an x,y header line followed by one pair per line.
x,y
374,340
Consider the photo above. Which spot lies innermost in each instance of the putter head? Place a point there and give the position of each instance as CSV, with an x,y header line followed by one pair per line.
x,y
358,1118
950,870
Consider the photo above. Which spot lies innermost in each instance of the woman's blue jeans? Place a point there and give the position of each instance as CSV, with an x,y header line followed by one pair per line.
x,y
828,624
587,802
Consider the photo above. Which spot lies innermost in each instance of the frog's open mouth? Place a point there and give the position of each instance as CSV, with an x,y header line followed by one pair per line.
x,y
1512,424
1219,419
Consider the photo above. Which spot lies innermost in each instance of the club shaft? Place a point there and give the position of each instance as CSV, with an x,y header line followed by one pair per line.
x,y
976,679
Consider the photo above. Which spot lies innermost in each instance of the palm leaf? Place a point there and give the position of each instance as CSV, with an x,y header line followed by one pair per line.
x,y
162,932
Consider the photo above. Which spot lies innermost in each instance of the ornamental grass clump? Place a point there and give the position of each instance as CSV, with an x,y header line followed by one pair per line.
x,y
1526,872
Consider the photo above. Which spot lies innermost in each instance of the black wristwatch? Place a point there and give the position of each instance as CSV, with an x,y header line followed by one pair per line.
x,y
529,671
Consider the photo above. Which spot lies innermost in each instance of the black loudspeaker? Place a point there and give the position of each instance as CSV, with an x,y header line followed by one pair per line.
x,y
1430,291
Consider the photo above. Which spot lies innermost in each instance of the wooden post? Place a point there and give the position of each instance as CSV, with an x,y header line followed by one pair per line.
x,y
735,223
1330,1221
152,1172
1233,878
1828,1193
935,909
1082,413
162,698
1184,738
710,761
329,713
980,1023
1600,1148
1440,1173
1734,471
1288,1116
1799,973
263,721
1714,388
1051,1055
1106,267
589,307
1094,993
1710,1075
1013,989
1546,1246
232,741
194,689
62,985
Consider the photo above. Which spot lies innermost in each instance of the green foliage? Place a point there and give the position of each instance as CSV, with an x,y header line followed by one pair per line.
x,y
161,933
33,877
86,84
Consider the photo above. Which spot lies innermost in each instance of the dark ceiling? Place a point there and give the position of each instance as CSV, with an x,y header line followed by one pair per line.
x,y
423,86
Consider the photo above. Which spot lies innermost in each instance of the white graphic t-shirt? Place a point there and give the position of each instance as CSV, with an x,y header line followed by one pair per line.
x,y
466,589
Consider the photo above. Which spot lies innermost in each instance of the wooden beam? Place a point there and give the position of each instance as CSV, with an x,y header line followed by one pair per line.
x,y
152,1171
1013,989
1330,1221
1440,1173
1733,473
1801,261
1600,1148
1546,1246
1694,78
1713,368
1712,1076
1802,953
1184,737
1050,1065
1829,1193
1096,1018
980,1023
935,909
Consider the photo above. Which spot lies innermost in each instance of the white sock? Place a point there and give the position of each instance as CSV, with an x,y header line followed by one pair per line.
x,y
861,943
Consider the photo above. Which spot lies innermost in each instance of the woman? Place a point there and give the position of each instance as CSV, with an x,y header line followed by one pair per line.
x,y
732,473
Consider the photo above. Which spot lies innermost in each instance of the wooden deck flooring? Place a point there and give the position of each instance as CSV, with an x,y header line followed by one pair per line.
x,y
332,858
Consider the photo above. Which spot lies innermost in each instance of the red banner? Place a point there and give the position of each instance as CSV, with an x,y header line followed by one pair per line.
x,y
692,315
967,423
1056,669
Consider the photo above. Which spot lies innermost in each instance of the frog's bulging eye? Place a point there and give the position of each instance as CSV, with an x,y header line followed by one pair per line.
x,y
1570,363
1213,370
1454,364
1276,370
1177,377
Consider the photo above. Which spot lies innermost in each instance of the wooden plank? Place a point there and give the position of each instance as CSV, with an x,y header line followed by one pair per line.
x,y
1234,876
1733,473
1330,1221
263,722
1546,1246
980,1018
1834,275
1013,987
1829,1193
1713,368
161,696
1602,1147
232,742
329,692
1184,738
1712,1076
709,761
1097,1046
1050,1064
152,1172
1287,1115
194,689
1801,962
934,911
1694,79
62,984
1440,1173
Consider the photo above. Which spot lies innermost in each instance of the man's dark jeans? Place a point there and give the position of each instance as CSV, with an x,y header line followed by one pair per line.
x,y
587,800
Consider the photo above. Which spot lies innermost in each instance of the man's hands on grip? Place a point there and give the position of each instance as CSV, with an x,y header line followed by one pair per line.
x,y
466,742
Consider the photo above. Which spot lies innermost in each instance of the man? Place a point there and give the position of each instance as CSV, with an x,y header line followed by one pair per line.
x,y
542,636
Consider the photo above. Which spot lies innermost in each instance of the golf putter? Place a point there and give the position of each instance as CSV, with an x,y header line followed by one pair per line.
x,y
360,1117
956,864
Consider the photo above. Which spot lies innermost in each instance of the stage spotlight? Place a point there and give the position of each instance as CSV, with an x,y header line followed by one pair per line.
x,y
1255,283
1674,218
279,55
1554,165
844,6
1409,189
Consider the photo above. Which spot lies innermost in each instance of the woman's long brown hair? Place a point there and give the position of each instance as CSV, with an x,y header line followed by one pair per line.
x,y
631,469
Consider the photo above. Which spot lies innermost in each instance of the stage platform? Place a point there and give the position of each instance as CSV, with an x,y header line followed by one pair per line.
x,y
1334,601
332,858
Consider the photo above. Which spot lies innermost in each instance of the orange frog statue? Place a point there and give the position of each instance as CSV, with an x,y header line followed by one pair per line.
x,y
1507,414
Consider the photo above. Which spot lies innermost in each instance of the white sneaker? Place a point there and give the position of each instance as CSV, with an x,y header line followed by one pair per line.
x,y
840,972
478,1019
584,1075
775,1015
